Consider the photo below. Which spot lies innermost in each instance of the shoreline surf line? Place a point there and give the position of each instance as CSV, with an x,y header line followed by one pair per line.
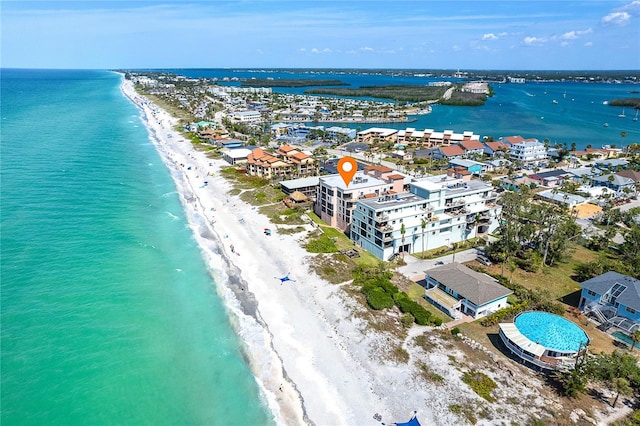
x,y
253,332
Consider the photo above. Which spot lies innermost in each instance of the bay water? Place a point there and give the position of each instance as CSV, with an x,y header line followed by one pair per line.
x,y
109,313
560,111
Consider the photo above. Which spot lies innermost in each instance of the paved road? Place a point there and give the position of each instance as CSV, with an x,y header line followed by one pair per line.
x,y
359,156
628,206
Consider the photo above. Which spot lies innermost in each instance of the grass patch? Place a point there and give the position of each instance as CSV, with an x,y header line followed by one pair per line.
x,y
342,242
321,244
399,355
480,383
424,342
280,214
254,197
335,268
416,293
428,374
289,231
555,279
465,411
444,250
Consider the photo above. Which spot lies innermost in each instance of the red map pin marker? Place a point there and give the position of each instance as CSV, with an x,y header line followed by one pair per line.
x,y
347,167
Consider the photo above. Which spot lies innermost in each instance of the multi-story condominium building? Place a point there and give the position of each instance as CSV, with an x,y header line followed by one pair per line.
x,y
376,135
335,201
453,210
247,116
528,152
268,166
429,137
286,162
303,164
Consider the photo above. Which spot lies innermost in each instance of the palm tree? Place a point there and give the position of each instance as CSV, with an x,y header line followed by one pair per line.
x,y
621,386
402,231
635,336
423,224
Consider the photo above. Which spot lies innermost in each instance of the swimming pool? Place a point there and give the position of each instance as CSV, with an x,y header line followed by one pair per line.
x,y
551,331
623,337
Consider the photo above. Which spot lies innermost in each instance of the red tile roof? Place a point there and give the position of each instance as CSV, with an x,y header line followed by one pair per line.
x,y
471,144
395,176
451,151
497,146
381,169
286,148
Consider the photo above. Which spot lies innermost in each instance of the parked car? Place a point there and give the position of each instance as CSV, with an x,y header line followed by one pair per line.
x,y
485,261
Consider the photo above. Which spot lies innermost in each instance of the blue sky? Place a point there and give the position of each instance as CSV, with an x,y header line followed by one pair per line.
x,y
479,34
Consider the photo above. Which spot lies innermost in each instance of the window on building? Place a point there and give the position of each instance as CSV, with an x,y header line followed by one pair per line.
x,y
591,293
630,310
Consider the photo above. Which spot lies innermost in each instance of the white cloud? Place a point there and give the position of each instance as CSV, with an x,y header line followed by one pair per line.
x,y
633,7
302,49
314,50
617,18
366,49
588,44
565,44
532,41
572,35
489,36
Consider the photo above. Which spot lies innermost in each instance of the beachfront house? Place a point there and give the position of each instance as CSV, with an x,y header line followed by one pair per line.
x,y
452,210
308,186
613,299
457,290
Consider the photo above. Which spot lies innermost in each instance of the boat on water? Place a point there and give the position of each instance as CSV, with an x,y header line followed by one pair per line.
x,y
606,124
605,103
636,117
622,115
554,101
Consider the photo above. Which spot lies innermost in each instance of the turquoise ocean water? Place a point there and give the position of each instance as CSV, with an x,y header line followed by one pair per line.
x,y
109,314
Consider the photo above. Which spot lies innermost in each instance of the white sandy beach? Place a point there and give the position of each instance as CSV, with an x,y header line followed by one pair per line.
x,y
314,360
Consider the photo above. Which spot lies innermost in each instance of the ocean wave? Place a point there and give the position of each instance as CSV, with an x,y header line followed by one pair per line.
x,y
172,216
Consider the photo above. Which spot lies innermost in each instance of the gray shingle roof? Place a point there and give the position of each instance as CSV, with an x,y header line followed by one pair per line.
x,y
476,287
602,283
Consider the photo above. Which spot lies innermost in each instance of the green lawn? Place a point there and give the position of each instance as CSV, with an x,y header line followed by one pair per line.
x,y
554,279
343,242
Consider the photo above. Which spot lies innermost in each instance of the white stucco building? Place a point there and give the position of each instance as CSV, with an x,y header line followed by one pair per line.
x,y
454,210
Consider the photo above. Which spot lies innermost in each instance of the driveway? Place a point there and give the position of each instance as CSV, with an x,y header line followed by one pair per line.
x,y
416,267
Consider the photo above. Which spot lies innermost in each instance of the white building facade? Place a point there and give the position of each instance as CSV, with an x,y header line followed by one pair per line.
x,y
454,210
528,152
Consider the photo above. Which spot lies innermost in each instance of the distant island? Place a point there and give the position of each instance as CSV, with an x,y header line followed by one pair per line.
x,y
270,82
627,102
444,94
